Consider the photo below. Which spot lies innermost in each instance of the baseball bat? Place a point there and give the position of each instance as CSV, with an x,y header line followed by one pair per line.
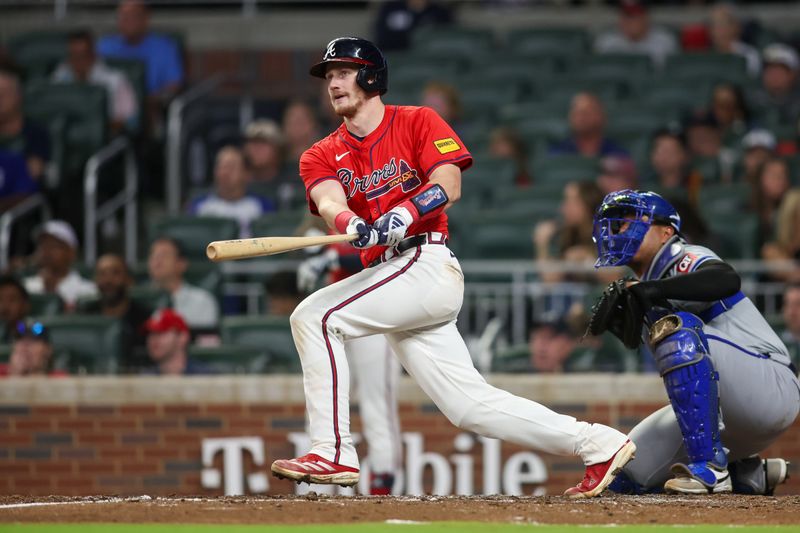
x,y
259,246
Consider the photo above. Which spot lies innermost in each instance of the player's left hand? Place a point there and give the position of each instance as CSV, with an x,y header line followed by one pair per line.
x,y
392,226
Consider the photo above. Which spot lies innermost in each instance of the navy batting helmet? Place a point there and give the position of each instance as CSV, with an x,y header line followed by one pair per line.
x,y
617,237
373,72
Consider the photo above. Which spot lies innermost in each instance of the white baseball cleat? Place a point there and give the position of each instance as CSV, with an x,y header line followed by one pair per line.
x,y
698,478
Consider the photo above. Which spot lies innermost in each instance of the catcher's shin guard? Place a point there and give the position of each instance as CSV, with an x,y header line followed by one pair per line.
x,y
681,352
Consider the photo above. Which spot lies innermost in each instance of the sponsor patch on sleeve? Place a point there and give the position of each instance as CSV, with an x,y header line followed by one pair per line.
x,y
445,146
685,265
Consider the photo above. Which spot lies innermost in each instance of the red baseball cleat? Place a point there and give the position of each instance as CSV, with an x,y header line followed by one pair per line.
x,y
312,468
598,476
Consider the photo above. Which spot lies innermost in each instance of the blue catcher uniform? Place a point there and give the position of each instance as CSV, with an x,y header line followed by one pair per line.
x,y
728,376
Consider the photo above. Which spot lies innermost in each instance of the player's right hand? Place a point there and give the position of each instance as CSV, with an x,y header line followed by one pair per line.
x,y
367,235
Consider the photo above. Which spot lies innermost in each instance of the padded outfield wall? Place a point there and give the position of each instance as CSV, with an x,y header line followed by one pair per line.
x,y
218,435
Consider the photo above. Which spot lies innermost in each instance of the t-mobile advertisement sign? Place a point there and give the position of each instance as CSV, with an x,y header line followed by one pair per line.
x,y
454,474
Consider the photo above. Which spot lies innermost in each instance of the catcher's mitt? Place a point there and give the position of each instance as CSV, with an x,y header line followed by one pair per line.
x,y
619,311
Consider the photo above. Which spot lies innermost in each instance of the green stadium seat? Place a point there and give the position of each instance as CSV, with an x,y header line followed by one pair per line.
x,y
542,202
279,223
38,52
736,231
677,95
564,168
514,113
194,233
206,275
46,304
707,66
265,332
557,42
5,353
449,43
709,167
422,71
136,73
611,66
560,91
731,197
150,297
548,129
512,360
231,359
485,177
502,241
77,117
85,344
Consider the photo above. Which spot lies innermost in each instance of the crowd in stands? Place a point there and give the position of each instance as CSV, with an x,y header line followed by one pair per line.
x,y
730,159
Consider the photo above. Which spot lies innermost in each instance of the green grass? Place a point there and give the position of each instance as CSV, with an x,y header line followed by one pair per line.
x,y
440,527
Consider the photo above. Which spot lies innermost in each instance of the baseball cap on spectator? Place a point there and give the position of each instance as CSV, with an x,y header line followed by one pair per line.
x,y
165,320
31,329
759,138
782,54
60,230
264,130
618,166
632,8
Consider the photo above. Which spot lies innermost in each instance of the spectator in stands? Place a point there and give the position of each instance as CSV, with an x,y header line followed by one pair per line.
x,y
730,110
83,66
282,293
587,122
758,147
553,239
16,183
301,129
160,54
445,99
786,244
704,141
669,161
550,345
635,35
17,133
114,281
56,251
773,183
617,173
506,143
264,152
726,28
397,20
167,265
167,343
780,91
230,198
31,352
791,319
15,305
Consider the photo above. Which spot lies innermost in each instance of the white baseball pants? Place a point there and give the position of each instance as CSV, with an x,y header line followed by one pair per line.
x,y
414,299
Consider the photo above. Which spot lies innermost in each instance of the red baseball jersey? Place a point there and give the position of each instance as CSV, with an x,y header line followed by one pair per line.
x,y
386,167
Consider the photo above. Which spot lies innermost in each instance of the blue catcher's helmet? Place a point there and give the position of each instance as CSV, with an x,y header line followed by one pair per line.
x,y
617,246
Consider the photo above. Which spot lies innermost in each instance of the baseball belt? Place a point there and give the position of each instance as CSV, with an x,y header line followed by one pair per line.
x,y
433,237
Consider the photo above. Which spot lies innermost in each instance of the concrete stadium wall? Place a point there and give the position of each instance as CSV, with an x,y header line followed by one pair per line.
x,y
218,435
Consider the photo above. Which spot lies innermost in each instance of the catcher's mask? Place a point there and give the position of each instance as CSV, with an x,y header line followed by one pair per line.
x,y
622,220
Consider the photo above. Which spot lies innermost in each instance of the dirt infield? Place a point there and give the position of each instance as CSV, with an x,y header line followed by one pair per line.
x,y
311,509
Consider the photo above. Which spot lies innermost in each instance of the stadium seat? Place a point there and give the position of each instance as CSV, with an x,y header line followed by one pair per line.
x,y
450,43
737,232
231,359
542,201
279,223
513,359
5,353
731,197
194,233
150,297
557,42
422,71
135,71
711,67
709,167
265,332
77,117
548,129
564,168
46,304
206,275
38,52
514,113
611,66
486,176
677,95
85,344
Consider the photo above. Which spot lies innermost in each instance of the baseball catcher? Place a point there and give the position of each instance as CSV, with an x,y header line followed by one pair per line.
x,y
730,382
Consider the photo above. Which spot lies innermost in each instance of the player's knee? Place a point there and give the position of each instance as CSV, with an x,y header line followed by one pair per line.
x,y
678,340
305,315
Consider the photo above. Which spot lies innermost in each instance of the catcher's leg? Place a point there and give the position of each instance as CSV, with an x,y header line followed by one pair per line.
x,y
681,352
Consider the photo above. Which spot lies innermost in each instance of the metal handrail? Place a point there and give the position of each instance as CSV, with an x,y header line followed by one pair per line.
x,y
174,180
31,203
125,199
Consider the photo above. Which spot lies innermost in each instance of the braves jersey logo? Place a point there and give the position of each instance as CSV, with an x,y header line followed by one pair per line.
x,y
380,181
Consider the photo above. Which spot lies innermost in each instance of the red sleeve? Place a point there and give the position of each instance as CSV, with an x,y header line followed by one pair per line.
x,y
313,171
438,143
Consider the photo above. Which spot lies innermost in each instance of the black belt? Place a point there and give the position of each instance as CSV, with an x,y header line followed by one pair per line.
x,y
407,244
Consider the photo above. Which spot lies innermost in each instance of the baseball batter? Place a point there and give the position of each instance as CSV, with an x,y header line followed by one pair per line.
x,y
387,174
376,371
729,379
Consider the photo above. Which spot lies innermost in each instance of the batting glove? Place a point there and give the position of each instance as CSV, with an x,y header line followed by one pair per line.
x,y
393,225
367,235
312,269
